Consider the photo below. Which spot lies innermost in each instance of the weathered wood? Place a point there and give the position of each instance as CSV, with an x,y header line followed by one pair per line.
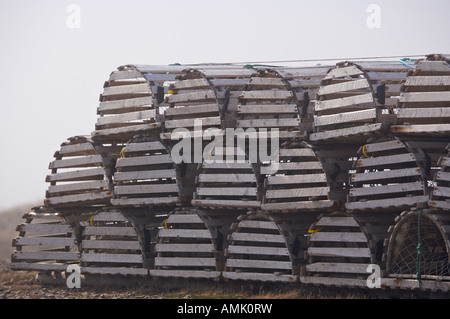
x,y
127,117
111,258
255,250
260,264
143,160
121,106
145,189
44,255
334,267
355,116
298,192
348,132
384,160
192,109
415,97
268,109
109,231
262,95
339,252
387,203
343,87
205,121
257,237
269,123
387,189
184,261
191,247
229,191
355,100
385,175
110,244
126,89
184,233
343,72
338,237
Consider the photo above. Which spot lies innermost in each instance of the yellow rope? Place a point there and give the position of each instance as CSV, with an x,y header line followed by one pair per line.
x,y
364,152
311,231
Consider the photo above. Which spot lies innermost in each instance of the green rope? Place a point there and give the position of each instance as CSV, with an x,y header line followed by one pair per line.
x,y
252,66
419,251
405,60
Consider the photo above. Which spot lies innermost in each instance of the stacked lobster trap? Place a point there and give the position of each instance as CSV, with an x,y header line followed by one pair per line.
x,y
168,184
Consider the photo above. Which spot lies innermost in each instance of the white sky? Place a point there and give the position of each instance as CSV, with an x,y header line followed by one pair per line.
x,y
52,76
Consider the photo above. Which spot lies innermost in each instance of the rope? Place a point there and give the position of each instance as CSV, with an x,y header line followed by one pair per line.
x,y
364,152
419,251
263,63
403,61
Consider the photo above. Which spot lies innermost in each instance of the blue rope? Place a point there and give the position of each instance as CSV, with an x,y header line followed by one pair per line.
x,y
405,60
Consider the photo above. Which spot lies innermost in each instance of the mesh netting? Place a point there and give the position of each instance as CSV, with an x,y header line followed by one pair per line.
x,y
433,259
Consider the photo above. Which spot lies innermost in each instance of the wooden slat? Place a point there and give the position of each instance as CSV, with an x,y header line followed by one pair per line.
x,y
191,97
146,189
343,72
78,198
45,228
78,175
387,203
343,87
257,224
385,160
386,189
184,262
192,109
84,161
338,237
347,117
132,116
337,221
205,121
406,97
343,102
297,192
78,187
44,255
143,175
126,89
428,81
229,191
385,175
267,95
268,109
226,178
109,231
269,123
110,244
333,267
111,258
184,233
166,200
296,179
338,252
47,241
143,160
419,113
121,106
250,237
260,264
255,250
191,247
144,146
